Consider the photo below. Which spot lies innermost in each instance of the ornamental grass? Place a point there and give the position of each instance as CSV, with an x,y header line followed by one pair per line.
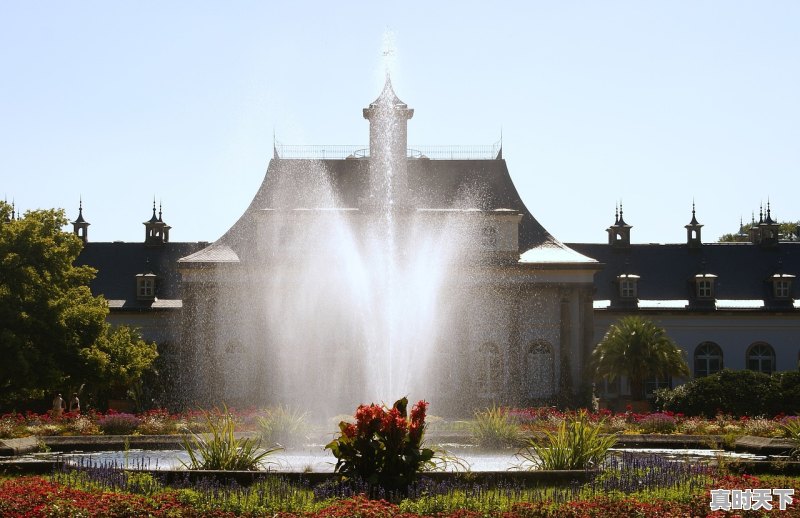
x,y
495,428
576,444
220,449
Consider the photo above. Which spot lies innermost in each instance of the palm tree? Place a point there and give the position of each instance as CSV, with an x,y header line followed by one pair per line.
x,y
636,348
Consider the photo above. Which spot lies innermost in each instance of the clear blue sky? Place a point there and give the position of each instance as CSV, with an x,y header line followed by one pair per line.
x,y
651,103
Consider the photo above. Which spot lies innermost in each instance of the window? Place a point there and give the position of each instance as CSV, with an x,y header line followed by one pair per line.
x,y
761,358
705,288
628,286
704,284
655,383
489,370
782,285
611,388
782,288
538,373
707,359
627,289
146,286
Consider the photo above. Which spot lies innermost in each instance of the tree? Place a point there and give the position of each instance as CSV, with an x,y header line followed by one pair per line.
x,y
117,361
636,348
51,322
786,229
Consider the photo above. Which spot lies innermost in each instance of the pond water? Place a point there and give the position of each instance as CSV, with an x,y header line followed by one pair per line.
x,y
320,461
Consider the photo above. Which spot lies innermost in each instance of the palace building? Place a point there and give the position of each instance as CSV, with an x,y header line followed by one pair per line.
x,y
390,268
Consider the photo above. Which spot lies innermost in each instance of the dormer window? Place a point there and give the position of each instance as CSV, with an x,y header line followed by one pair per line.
x,y
704,285
146,286
782,285
628,286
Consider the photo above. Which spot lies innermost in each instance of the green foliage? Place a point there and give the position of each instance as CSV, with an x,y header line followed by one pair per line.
x,y
636,348
284,426
46,308
496,428
737,393
54,332
118,360
576,444
383,447
221,450
792,429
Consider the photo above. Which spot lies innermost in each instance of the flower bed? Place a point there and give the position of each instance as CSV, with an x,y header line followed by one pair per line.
x,y
656,488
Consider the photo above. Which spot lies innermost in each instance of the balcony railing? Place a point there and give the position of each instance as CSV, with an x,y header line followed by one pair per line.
x,y
435,152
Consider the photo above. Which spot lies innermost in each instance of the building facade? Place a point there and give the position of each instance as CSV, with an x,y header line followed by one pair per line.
x,y
388,272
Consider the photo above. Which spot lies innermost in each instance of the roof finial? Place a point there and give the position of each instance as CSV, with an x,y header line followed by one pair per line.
x,y
616,213
694,217
159,210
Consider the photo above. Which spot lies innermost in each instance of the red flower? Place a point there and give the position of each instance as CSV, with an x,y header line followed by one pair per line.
x,y
418,412
350,431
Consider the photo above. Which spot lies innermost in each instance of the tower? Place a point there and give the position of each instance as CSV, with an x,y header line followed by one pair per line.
x,y
693,231
80,227
388,143
156,231
619,234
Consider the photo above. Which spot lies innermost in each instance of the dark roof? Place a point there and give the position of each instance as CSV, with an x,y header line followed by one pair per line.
x,y
118,263
80,219
295,183
666,272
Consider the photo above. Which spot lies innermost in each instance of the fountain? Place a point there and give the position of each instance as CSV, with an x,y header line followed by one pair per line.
x,y
348,297
380,275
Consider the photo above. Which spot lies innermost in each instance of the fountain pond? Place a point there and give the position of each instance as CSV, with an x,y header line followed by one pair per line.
x,y
316,460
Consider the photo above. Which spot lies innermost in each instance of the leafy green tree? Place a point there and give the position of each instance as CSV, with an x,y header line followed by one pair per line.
x,y
53,330
636,348
117,361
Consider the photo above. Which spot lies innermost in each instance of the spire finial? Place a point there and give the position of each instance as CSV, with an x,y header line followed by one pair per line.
x,y
694,221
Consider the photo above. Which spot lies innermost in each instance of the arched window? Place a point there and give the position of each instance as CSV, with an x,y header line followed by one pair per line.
x,y
538,373
707,359
761,358
488,370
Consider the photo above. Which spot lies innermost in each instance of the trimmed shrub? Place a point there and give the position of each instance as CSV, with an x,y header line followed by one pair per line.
x,y
736,393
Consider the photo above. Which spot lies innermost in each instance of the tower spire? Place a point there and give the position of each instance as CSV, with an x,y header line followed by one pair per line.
x,y
80,227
